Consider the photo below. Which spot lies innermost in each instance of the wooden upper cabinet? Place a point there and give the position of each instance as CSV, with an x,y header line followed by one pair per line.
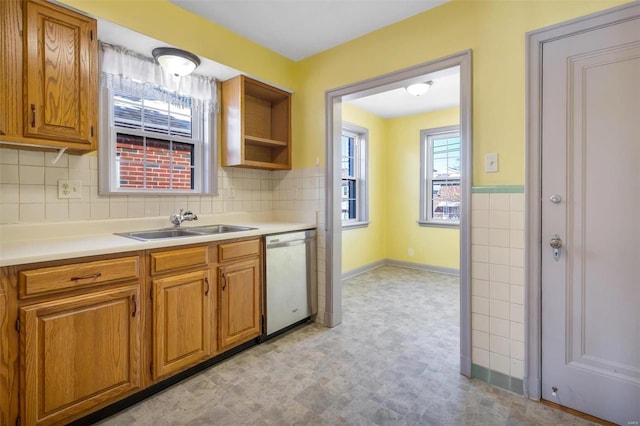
x,y
78,354
61,75
256,125
11,69
49,70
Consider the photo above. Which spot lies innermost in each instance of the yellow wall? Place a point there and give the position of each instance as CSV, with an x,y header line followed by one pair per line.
x,y
363,246
431,246
394,188
494,30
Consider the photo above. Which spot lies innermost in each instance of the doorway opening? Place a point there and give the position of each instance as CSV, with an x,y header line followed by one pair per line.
x,y
333,202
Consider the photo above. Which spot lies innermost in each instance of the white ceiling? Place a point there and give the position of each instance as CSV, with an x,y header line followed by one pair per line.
x,y
299,28
397,102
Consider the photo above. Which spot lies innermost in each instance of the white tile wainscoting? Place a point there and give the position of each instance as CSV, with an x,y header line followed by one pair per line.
x,y
497,285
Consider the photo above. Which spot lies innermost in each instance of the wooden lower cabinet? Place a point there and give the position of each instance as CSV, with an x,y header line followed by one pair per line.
x,y
80,335
239,302
78,353
181,321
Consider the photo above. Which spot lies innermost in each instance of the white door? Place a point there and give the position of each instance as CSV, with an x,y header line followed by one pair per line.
x,y
591,201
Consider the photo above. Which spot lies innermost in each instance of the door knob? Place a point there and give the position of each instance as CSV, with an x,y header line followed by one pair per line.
x,y
555,244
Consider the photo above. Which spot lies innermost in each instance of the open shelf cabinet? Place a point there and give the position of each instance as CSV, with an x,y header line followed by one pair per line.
x,y
256,125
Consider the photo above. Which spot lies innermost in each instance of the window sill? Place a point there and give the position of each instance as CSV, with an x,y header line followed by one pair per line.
x,y
354,225
438,224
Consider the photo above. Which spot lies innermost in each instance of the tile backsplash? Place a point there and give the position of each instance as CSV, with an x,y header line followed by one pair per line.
x,y
29,191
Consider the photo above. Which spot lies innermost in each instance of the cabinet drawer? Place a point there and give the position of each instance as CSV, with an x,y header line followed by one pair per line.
x,y
77,275
175,259
238,249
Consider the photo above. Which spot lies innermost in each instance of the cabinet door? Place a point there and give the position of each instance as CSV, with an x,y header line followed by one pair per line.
x,y
61,72
181,322
11,68
239,305
78,354
5,386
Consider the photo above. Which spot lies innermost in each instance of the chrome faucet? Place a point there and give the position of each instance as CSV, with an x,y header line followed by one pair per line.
x,y
181,216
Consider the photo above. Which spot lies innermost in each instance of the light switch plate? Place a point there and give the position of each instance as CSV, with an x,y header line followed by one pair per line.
x,y
491,163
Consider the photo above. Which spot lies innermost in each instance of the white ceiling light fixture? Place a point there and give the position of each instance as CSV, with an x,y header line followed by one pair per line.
x,y
419,89
176,61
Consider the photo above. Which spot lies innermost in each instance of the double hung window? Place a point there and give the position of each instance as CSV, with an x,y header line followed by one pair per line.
x,y
157,136
157,143
354,187
440,176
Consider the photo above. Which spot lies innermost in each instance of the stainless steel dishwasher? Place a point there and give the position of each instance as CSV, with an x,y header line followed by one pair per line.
x,y
290,284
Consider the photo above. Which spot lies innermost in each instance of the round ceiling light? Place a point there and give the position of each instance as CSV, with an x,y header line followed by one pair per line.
x,y
419,89
176,61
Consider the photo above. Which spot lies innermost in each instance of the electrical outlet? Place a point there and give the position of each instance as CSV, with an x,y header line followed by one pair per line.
x,y
69,189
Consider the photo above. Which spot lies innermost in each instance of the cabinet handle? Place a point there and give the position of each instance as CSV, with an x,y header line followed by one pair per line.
x,y
206,281
134,299
224,281
87,277
33,115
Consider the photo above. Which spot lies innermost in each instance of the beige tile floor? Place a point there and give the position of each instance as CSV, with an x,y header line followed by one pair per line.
x,y
392,361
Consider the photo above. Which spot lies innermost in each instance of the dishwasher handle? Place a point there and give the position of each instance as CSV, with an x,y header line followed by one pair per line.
x,y
289,243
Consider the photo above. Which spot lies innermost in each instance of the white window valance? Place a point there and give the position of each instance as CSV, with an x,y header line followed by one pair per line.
x,y
124,71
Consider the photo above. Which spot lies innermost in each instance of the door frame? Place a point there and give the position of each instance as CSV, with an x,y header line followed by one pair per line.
x,y
333,230
532,381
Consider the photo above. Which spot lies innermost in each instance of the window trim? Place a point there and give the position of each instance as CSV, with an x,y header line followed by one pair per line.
x,y
425,204
205,171
362,178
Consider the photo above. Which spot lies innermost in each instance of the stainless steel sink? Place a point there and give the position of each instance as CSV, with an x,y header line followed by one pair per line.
x,y
195,231
158,234
218,229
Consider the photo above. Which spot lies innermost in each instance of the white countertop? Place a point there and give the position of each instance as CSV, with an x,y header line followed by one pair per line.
x,y
39,242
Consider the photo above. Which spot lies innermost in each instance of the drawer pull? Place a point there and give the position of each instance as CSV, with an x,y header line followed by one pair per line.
x,y
206,281
87,277
134,299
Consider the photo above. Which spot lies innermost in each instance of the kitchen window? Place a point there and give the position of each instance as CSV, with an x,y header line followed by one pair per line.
x,y
440,177
157,134
354,188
